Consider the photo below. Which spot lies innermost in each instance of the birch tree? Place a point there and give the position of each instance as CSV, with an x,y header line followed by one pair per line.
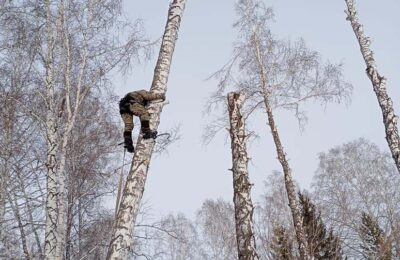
x,y
121,240
215,221
80,34
241,185
21,171
378,83
90,172
61,53
278,74
272,215
173,237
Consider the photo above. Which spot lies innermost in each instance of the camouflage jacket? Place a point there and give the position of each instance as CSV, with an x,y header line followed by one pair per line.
x,y
143,96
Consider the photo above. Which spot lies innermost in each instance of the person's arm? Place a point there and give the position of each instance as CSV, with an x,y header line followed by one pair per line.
x,y
150,96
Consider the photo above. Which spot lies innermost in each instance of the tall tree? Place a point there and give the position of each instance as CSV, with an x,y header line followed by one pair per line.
x,y
21,168
81,40
175,237
90,171
73,45
241,184
275,73
127,211
216,224
378,83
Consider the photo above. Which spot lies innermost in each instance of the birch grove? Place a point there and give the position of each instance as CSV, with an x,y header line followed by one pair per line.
x,y
378,83
121,240
79,78
75,36
63,67
241,185
278,74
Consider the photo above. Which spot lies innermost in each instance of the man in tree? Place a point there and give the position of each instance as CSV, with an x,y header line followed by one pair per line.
x,y
134,104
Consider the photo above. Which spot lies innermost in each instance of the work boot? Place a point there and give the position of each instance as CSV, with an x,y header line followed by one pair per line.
x,y
147,133
128,143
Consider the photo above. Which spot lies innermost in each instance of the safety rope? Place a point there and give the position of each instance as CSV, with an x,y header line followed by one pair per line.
x,y
121,176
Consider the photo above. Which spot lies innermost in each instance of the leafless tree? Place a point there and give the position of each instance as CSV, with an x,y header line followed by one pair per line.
x,y
378,84
241,184
83,33
271,212
278,74
353,178
21,190
90,171
121,239
173,237
216,225
86,40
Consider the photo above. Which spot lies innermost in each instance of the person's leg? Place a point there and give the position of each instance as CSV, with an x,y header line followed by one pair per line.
x,y
141,112
128,122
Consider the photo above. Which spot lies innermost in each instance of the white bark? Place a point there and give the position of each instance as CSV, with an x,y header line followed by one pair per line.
x,y
378,83
241,185
122,236
290,187
72,112
51,233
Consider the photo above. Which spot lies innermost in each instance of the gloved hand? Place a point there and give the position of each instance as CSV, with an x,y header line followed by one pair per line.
x,y
162,96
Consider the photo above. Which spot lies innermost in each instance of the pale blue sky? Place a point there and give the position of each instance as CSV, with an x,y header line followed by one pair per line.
x,y
190,173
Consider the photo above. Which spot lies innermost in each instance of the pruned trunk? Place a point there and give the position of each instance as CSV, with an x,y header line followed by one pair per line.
x,y
122,238
241,185
290,187
378,83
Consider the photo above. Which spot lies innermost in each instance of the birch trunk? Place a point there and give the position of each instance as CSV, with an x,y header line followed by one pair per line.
x,y
51,233
72,112
121,241
378,83
241,185
290,188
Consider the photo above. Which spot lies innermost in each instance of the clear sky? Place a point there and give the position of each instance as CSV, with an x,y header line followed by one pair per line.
x,y
191,172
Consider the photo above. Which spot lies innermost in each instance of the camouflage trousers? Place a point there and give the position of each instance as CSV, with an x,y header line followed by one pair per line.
x,y
138,110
